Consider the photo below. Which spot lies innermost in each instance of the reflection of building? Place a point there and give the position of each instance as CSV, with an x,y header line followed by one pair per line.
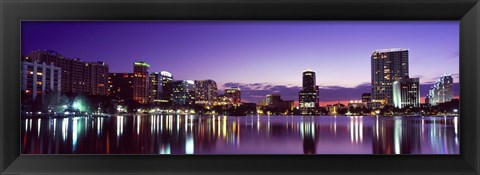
x,y
155,86
141,82
37,79
184,92
406,92
391,137
77,76
387,66
234,94
309,138
308,96
121,85
441,91
205,91
166,91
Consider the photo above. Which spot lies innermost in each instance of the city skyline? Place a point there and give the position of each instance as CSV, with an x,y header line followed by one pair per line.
x,y
226,74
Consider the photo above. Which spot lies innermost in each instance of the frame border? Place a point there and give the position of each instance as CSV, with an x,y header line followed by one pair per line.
x,y
466,11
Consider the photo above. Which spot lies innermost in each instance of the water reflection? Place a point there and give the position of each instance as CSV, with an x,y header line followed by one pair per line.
x,y
190,134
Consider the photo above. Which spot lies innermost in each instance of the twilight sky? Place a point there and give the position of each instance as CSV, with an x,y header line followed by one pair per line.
x,y
260,57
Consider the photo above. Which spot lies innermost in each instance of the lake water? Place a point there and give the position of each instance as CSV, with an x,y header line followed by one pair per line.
x,y
189,134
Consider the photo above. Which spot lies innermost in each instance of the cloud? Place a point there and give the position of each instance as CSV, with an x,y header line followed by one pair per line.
x,y
255,92
339,93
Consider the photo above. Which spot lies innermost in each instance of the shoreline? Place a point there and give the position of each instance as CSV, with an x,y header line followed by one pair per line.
x,y
127,115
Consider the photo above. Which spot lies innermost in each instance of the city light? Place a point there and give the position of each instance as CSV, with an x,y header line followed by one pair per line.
x,y
370,106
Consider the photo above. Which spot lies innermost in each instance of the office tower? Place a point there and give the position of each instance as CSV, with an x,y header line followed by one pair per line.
x,y
121,85
99,78
275,101
406,93
270,99
38,79
77,76
442,90
184,92
235,95
155,86
141,82
308,96
387,66
205,91
166,91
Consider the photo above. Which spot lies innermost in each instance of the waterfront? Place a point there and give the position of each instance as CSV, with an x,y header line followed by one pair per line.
x,y
190,134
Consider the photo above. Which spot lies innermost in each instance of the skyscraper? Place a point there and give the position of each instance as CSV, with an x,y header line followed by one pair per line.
x,y
308,96
235,95
184,92
99,78
155,86
120,85
406,92
205,91
442,90
387,65
141,82
166,91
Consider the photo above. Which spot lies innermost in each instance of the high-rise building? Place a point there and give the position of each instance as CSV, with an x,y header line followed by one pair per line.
x,y
442,90
235,95
275,101
37,79
406,92
270,99
308,96
155,86
166,90
77,76
99,78
205,91
141,82
387,66
184,92
121,85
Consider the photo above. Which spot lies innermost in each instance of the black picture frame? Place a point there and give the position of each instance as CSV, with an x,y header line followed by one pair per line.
x,y
14,11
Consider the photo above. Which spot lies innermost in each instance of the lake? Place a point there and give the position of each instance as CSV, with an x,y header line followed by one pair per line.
x,y
190,134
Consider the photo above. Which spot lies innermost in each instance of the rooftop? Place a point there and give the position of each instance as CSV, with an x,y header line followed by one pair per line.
x,y
389,50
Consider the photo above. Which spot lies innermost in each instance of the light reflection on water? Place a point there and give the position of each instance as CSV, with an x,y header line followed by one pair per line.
x,y
190,134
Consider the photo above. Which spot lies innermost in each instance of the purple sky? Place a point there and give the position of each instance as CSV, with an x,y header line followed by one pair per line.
x,y
259,56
